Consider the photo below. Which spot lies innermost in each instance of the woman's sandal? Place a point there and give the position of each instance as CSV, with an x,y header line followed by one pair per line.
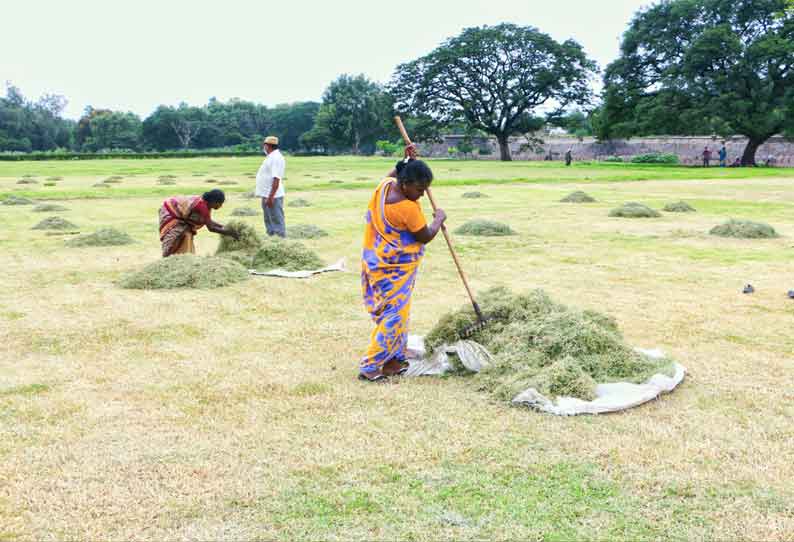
x,y
375,379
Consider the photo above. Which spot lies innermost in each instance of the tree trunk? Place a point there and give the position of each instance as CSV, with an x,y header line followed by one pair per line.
x,y
748,156
504,148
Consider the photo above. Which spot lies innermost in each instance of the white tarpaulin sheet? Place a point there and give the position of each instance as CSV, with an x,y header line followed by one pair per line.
x,y
611,397
338,266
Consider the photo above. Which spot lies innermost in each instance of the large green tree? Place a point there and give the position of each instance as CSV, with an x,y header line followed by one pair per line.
x,y
691,67
33,126
355,113
495,78
100,129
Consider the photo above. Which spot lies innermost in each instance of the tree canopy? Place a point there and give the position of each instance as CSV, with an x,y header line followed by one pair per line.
x,y
495,78
704,67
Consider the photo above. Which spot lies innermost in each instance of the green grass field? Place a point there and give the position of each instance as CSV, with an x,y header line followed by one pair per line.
x,y
235,414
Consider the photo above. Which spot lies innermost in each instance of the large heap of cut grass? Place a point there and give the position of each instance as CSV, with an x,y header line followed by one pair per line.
x,y
245,211
744,229
487,228
300,202
17,200
49,208
474,195
54,223
105,237
287,255
679,207
578,196
305,231
537,343
186,271
634,210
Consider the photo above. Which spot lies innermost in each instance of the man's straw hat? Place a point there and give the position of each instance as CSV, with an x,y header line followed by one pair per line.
x,y
271,140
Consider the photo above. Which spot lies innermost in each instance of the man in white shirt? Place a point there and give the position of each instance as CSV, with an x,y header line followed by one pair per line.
x,y
270,187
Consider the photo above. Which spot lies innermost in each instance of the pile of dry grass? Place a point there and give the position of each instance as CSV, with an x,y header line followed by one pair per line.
x,y
186,271
300,202
485,228
227,183
248,241
105,237
541,344
679,207
287,255
116,179
27,181
54,178
305,231
165,181
474,195
634,210
49,184
578,196
245,211
49,208
17,200
211,181
101,185
744,229
54,223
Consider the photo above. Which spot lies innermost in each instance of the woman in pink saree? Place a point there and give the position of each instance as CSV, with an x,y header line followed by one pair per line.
x,y
182,216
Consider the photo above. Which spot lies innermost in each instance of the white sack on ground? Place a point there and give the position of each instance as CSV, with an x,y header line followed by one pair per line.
x,y
611,397
338,266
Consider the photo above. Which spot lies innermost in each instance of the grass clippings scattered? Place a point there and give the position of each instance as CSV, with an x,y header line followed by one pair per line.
x,y
105,237
186,271
473,195
541,344
305,231
17,200
679,207
245,211
744,229
49,208
300,202
54,223
27,181
578,196
484,228
249,240
634,210
287,255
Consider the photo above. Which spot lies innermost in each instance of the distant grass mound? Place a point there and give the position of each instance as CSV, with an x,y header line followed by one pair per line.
x,y
335,181
227,183
49,184
300,202
287,255
249,240
248,195
54,179
474,195
541,344
305,231
49,208
485,228
578,197
211,181
186,271
105,237
245,211
54,223
116,179
744,229
101,185
17,200
165,181
679,207
27,181
634,210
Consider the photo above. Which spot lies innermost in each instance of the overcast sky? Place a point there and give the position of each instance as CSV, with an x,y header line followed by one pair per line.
x,y
137,54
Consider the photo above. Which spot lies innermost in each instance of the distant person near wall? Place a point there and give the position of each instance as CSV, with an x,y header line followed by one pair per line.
x,y
723,154
568,157
706,156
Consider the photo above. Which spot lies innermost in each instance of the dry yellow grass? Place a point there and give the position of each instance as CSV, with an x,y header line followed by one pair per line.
x,y
234,413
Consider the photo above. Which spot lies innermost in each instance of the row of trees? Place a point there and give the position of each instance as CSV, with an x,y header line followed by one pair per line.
x,y
686,67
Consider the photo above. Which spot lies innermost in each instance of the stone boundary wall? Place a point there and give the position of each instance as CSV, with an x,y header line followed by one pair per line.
x,y
688,149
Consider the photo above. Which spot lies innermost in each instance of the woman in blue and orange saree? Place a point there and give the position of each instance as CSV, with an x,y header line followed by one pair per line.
x,y
394,242
182,216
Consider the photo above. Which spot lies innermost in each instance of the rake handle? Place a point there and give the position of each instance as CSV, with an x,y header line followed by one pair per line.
x,y
429,193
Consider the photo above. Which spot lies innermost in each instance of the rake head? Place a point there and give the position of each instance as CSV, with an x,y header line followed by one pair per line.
x,y
477,326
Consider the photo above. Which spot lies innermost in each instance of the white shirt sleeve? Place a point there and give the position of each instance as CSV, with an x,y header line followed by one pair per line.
x,y
277,168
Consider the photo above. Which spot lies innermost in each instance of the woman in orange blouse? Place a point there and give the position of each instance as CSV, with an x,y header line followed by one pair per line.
x,y
395,236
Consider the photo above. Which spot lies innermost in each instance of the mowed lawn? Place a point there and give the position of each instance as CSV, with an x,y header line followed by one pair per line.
x,y
235,414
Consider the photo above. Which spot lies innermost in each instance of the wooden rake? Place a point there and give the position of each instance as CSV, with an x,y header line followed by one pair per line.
x,y
481,320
